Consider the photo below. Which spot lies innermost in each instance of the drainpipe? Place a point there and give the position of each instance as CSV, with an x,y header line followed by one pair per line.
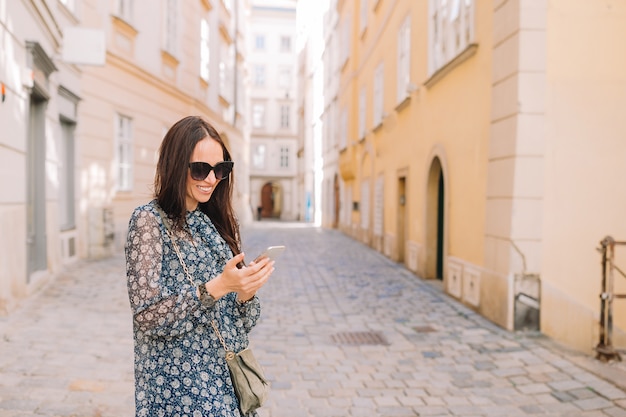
x,y
526,297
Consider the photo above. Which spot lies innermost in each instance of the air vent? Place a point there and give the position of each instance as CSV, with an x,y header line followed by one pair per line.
x,y
359,338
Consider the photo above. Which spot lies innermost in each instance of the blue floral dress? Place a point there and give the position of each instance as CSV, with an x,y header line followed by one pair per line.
x,y
180,369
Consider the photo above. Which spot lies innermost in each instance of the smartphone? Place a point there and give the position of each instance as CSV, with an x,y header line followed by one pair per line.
x,y
271,252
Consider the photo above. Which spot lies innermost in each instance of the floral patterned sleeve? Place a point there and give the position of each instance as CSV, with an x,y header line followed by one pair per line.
x,y
248,313
158,309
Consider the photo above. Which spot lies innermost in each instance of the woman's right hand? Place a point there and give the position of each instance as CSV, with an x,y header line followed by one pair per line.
x,y
244,281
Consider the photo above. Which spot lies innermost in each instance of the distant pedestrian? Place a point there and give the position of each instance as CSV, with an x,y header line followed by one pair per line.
x,y
179,361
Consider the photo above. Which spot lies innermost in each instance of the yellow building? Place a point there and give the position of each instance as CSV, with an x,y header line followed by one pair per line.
x,y
479,144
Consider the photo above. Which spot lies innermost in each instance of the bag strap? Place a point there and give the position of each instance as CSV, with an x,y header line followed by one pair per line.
x,y
166,223
229,353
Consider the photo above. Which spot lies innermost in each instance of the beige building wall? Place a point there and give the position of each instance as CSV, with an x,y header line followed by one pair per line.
x,y
153,78
584,166
497,172
40,95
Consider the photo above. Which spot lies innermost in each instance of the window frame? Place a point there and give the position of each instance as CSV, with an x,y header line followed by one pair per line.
x,y
403,76
260,75
258,116
285,80
363,15
286,44
259,156
451,31
378,94
285,116
259,42
170,32
124,10
362,112
124,153
205,50
284,151
343,129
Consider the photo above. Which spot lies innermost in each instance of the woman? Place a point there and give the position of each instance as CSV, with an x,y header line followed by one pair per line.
x,y
179,362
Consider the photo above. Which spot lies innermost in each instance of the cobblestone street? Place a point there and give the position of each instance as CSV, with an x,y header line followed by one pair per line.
x,y
344,332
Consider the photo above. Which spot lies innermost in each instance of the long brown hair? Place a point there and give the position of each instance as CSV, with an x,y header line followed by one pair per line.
x,y
170,180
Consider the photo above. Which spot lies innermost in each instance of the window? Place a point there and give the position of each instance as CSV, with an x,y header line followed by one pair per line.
x,y
365,204
285,44
347,207
451,30
362,109
259,42
125,10
258,156
327,65
363,20
259,75
171,26
343,129
284,78
284,157
378,94
124,152
379,205
332,141
70,4
227,79
346,41
404,59
285,111
205,50
258,115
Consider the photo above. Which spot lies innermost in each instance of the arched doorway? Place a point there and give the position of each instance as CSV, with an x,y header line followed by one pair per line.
x,y
435,221
401,217
270,200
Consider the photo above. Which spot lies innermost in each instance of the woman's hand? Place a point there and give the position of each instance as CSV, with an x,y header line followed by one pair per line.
x,y
245,281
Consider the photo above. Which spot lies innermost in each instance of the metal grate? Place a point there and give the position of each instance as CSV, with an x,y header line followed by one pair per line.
x,y
359,338
424,329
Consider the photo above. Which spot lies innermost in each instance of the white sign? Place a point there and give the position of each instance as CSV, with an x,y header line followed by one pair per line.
x,y
84,46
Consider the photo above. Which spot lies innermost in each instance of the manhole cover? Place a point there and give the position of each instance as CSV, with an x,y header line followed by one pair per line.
x,y
359,338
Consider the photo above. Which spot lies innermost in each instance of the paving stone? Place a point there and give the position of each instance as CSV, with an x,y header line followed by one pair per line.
x,y
592,403
67,351
615,412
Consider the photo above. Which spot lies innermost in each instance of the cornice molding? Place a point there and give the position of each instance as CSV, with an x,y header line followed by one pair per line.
x,y
455,62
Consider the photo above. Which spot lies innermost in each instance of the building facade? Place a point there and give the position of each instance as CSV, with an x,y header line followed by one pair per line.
x,y
39,114
310,48
334,126
87,134
274,189
162,63
476,142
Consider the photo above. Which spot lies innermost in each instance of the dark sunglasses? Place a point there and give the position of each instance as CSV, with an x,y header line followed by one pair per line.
x,y
200,170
